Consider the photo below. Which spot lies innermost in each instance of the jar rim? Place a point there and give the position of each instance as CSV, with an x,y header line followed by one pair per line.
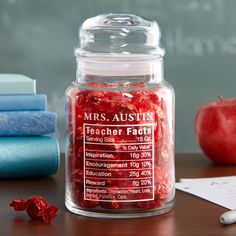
x,y
118,56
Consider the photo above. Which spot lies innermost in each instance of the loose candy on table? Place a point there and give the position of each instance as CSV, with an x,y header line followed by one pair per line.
x,y
36,208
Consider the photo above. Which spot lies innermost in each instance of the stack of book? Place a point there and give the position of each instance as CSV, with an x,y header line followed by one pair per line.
x,y
27,146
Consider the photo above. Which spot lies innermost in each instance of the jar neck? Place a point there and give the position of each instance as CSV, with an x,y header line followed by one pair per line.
x,y
90,68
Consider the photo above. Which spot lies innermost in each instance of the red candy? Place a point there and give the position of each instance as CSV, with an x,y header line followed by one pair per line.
x,y
18,204
37,208
49,213
114,119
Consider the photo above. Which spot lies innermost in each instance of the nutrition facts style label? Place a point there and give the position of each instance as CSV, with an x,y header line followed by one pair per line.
x,y
118,162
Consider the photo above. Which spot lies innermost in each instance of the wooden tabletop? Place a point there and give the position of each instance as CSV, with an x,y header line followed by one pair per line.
x,y
191,216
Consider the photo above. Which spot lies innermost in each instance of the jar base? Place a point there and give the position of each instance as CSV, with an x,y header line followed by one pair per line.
x,y
161,210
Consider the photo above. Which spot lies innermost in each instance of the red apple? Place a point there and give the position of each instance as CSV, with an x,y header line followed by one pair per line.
x,y
215,128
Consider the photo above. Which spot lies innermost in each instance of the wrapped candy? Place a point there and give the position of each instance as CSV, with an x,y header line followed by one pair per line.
x,y
36,208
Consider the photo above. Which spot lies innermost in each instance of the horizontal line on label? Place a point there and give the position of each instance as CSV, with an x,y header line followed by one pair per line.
x,y
91,150
117,143
141,200
99,169
108,187
118,125
88,159
86,177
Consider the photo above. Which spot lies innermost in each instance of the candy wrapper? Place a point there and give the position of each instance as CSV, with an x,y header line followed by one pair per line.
x,y
36,208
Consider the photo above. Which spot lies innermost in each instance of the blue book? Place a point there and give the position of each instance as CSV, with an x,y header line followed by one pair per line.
x,y
26,123
35,102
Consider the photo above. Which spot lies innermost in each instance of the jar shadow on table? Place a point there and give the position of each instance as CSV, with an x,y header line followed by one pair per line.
x,y
162,225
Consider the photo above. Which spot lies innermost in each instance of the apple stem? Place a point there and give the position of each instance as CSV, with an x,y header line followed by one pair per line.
x,y
220,97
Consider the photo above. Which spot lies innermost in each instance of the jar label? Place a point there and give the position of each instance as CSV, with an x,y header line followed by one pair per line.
x,y
121,156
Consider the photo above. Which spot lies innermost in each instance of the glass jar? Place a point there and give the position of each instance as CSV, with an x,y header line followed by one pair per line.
x,y
120,121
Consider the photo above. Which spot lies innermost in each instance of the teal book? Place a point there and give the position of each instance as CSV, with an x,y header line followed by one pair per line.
x,y
16,84
23,157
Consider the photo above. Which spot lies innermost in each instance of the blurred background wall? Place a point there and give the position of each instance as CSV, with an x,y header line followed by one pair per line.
x,y
37,38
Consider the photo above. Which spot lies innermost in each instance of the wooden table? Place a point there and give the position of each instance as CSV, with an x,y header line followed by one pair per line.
x,y
191,216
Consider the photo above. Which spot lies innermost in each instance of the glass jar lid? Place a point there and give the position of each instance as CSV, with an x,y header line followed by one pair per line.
x,y
119,34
